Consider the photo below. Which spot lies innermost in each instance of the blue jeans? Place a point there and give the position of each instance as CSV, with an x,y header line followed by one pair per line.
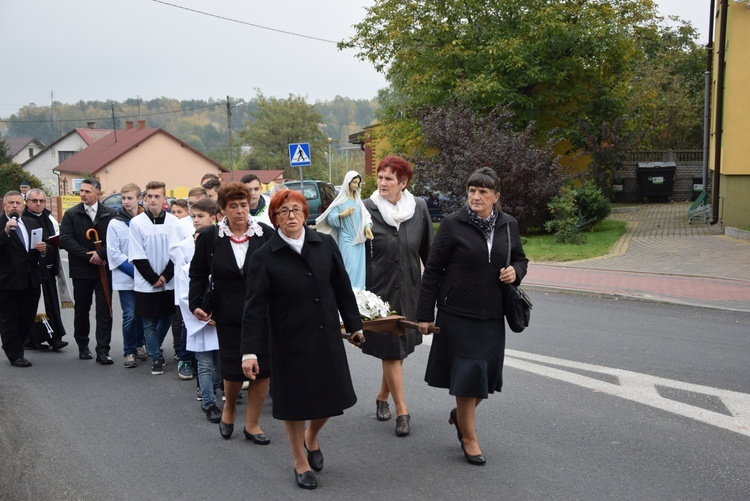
x,y
155,329
209,377
132,327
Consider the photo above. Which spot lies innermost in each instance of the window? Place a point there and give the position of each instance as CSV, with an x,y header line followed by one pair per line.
x,y
64,155
31,152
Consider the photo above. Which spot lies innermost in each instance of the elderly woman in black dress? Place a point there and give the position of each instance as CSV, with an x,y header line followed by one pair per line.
x,y
299,285
464,276
224,250
402,231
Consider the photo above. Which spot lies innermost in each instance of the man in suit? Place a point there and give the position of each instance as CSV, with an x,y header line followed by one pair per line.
x,y
20,277
85,262
36,208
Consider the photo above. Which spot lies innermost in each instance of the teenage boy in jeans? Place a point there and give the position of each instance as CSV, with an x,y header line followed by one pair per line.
x,y
154,287
122,273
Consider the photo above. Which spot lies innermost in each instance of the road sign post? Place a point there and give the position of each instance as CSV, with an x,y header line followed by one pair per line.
x,y
299,156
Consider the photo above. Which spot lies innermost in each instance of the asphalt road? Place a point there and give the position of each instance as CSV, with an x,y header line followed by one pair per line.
x,y
603,399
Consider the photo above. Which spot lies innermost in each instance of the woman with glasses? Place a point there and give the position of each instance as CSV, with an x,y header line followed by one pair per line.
x,y
298,285
223,252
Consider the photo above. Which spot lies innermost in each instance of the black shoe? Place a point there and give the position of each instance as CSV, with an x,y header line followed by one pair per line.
x,y
104,359
58,344
85,354
315,458
453,419
477,460
260,438
213,414
382,410
21,362
226,430
402,425
305,480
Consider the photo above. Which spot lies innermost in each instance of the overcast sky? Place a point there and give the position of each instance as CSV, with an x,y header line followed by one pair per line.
x,y
107,49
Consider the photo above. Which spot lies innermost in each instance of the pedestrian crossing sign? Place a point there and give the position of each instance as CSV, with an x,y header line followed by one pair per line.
x,y
299,154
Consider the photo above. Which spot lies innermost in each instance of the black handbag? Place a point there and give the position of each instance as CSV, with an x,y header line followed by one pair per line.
x,y
207,303
516,303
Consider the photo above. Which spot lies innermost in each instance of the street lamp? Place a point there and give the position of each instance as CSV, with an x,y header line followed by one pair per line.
x,y
329,159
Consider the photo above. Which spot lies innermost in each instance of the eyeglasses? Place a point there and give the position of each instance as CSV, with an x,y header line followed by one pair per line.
x,y
36,200
297,211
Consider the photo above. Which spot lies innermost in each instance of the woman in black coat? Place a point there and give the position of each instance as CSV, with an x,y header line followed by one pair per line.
x,y
224,251
464,276
299,285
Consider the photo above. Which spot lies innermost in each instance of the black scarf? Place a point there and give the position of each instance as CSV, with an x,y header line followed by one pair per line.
x,y
485,225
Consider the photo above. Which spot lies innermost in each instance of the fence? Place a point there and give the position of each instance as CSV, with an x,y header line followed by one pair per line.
x,y
689,165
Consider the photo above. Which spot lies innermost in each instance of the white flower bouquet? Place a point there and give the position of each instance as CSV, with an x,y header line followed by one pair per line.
x,y
371,306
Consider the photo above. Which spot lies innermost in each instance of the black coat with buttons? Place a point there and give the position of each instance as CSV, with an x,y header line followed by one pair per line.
x,y
300,296
394,272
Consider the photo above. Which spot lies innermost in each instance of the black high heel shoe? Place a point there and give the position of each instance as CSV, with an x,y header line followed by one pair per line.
x,y
260,438
226,430
453,419
477,460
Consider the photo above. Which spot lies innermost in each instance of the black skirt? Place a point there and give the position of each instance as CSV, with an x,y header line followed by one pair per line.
x,y
230,354
467,356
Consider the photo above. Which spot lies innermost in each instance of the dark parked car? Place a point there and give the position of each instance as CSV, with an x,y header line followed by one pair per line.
x,y
318,194
114,200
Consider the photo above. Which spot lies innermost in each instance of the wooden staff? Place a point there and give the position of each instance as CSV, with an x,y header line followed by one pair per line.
x,y
394,324
102,269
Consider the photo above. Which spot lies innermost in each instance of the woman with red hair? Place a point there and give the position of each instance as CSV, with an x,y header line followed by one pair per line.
x,y
298,285
402,231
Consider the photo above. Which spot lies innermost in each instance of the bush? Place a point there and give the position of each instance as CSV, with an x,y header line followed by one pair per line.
x,y
11,176
576,210
457,140
566,220
592,204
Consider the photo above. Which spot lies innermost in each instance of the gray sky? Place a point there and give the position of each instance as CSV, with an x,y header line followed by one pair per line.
x,y
107,49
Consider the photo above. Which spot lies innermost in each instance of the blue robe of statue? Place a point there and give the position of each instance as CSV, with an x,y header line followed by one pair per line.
x,y
353,253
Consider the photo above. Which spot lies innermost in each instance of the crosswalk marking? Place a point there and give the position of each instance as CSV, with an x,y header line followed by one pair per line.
x,y
641,388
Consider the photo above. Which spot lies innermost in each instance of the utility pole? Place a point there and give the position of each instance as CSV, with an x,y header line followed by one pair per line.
x,y
329,159
229,129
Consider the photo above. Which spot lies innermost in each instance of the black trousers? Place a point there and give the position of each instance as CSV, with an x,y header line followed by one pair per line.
x,y
17,313
83,291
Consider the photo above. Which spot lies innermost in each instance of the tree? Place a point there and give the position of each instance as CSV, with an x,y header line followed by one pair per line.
x,y
12,174
549,60
559,64
458,140
4,156
666,99
279,122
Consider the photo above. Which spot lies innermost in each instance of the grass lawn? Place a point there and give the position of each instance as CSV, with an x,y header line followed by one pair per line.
x,y
598,243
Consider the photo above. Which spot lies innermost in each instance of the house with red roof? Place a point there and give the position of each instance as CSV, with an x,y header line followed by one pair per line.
x,y
43,164
137,154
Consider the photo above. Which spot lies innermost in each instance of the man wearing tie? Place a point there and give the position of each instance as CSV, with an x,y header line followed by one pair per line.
x,y
20,277
84,263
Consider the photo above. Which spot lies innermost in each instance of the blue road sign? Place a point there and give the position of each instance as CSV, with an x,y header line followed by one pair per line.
x,y
299,154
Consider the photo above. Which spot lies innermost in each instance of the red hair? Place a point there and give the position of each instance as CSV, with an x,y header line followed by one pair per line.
x,y
398,165
283,197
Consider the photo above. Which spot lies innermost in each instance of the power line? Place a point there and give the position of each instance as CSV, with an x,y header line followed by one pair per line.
x,y
246,23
